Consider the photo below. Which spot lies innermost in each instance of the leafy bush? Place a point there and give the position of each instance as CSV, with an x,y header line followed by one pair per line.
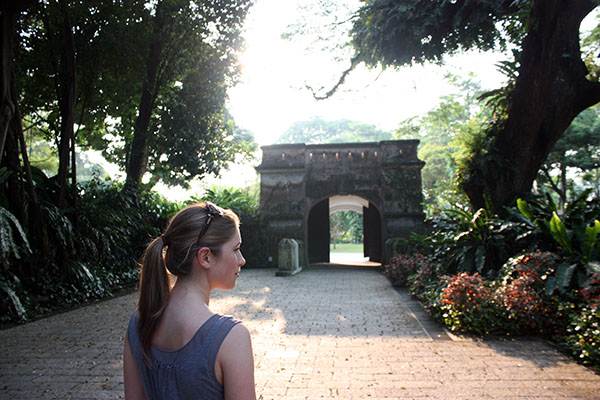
x,y
92,248
402,266
532,270
467,304
522,297
427,274
583,335
575,235
465,241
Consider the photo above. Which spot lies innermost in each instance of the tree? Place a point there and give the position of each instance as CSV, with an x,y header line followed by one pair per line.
x,y
346,227
126,99
551,89
9,13
177,70
577,151
318,130
441,133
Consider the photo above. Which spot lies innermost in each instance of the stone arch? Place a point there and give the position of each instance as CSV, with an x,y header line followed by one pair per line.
x,y
296,177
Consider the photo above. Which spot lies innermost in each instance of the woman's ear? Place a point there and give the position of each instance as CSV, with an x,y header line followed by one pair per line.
x,y
204,257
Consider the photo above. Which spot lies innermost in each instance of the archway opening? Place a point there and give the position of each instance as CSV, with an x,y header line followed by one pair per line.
x,y
344,230
346,237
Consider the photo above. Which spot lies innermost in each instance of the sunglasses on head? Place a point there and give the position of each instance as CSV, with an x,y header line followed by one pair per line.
x,y
212,211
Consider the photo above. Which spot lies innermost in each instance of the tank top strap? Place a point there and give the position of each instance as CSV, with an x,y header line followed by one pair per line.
x,y
223,327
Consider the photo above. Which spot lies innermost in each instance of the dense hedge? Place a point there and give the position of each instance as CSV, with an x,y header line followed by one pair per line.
x,y
530,271
94,248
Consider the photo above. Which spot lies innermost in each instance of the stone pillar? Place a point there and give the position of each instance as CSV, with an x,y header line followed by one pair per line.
x,y
288,258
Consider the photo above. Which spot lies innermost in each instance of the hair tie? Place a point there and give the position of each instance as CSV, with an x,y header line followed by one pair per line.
x,y
164,240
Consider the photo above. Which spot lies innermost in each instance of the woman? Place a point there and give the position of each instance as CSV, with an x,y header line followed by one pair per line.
x,y
176,348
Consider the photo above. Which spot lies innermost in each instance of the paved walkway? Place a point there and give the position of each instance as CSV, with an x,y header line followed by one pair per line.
x,y
342,333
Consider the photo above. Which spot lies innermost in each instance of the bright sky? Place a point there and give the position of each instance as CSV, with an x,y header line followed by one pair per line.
x,y
271,94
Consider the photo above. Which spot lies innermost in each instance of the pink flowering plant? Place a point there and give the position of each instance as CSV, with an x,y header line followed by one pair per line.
x,y
402,266
524,297
467,304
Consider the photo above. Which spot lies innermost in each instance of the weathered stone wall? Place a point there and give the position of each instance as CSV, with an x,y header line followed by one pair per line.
x,y
295,177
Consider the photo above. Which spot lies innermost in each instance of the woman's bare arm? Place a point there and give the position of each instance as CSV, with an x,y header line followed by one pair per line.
x,y
133,385
236,361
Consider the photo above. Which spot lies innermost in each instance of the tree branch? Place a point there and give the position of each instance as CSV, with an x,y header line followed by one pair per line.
x,y
331,92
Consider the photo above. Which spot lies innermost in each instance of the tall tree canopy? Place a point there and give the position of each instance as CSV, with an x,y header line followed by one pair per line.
x,y
149,85
442,133
317,130
575,157
552,86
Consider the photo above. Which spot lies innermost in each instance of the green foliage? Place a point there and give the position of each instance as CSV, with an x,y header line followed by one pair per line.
x,y
10,285
191,133
317,130
583,339
395,33
574,158
574,235
346,227
11,229
93,249
441,133
461,240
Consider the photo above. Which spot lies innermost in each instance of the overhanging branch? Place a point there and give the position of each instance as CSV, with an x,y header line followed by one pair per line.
x,y
340,82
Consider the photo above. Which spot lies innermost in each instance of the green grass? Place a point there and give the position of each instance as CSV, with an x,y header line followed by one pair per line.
x,y
346,248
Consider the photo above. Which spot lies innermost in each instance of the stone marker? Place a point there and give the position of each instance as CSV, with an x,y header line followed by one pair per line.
x,y
289,258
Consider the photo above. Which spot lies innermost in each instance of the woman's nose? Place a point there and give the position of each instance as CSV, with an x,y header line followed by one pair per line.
x,y
241,261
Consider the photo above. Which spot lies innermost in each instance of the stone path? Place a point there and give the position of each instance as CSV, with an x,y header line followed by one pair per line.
x,y
343,333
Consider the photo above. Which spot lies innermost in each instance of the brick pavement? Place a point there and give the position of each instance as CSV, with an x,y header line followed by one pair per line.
x,y
343,333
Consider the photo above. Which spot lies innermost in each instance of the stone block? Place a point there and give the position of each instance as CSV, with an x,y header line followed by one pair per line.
x,y
288,258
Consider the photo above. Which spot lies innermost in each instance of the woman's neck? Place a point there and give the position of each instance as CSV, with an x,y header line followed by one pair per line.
x,y
187,290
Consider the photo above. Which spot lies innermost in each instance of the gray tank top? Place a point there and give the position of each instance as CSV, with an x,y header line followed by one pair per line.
x,y
187,373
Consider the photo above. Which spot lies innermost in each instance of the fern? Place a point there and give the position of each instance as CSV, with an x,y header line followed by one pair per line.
x,y
9,225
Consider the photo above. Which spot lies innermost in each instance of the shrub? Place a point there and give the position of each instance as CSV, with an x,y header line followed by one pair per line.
x,y
583,335
466,303
525,310
427,275
427,284
402,266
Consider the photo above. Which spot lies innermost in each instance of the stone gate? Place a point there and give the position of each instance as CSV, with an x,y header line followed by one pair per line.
x,y
302,184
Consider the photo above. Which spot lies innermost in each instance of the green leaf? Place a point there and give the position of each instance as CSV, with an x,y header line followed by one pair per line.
x,y
21,312
564,275
591,236
524,208
559,232
480,258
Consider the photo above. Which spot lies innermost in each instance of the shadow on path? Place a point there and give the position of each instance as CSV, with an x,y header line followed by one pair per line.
x,y
326,332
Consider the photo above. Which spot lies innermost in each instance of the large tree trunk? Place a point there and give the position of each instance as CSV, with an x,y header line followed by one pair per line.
x,y
9,12
67,99
137,160
38,234
8,22
551,89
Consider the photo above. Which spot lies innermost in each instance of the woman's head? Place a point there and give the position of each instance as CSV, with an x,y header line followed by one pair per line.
x,y
198,226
